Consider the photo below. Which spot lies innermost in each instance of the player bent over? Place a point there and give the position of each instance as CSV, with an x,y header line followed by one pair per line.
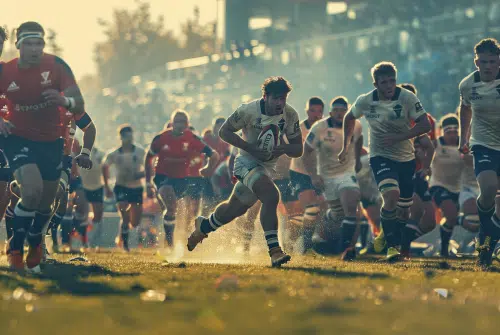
x,y
253,165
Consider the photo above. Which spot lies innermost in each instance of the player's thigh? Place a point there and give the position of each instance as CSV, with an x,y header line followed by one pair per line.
x,y
135,213
449,209
406,171
265,190
348,193
49,191
168,196
386,176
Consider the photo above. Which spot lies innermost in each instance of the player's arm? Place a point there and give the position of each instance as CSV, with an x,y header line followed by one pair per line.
x,y
228,134
213,160
422,126
149,158
348,130
358,147
428,147
86,125
295,147
108,161
310,158
465,115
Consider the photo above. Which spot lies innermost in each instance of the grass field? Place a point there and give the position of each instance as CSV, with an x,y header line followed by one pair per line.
x,y
313,295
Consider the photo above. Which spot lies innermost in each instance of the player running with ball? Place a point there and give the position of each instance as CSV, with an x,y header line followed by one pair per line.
x,y
253,165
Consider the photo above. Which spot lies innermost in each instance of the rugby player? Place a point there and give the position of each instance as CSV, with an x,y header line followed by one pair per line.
x,y
337,179
389,110
253,166
175,148
34,147
128,161
309,197
480,103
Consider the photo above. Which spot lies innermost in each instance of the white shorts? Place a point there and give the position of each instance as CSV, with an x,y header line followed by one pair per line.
x,y
467,193
335,186
247,171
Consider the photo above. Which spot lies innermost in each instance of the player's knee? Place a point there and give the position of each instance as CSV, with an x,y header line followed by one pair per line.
x,y
270,198
389,188
488,192
31,195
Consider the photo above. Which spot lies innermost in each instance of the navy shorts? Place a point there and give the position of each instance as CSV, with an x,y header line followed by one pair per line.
x,y
196,186
95,196
180,185
130,195
485,159
287,192
46,155
440,194
402,172
5,171
421,187
302,182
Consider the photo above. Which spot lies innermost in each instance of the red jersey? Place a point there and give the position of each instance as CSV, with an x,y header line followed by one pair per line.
x,y
432,136
195,165
33,117
176,152
216,143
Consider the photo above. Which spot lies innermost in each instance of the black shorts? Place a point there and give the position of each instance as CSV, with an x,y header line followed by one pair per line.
x,y
95,196
440,194
287,192
385,169
421,187
179,185
130,195
75,184
196,186
302,182
46,155
5,171
485,159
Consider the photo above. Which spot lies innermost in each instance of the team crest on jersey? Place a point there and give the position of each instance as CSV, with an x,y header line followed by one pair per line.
x,y
185,146
165,147
45,77
281,124
397,110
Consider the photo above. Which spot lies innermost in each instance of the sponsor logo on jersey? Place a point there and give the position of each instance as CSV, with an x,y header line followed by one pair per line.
x,y
185,146
32,108
474,95
372,113
45,77
419,107
13,87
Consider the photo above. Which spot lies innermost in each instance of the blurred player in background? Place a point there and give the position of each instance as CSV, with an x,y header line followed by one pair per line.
x,y
128,161
336,179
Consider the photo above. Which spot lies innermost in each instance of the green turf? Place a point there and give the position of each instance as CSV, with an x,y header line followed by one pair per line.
x,y
312,295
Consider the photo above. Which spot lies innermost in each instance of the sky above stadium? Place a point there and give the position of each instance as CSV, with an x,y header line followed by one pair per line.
x,y
76,21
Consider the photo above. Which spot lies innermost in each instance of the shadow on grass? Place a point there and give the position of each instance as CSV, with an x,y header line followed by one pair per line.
x,y
67,278
338,274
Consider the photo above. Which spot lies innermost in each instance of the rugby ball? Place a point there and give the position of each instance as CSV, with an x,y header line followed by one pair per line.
x,y
269,138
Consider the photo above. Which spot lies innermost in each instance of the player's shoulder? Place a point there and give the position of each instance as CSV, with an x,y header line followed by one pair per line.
x,y
320,125
11,64
404,95
290,111
113,152
250,107
367,98
56,61
470,79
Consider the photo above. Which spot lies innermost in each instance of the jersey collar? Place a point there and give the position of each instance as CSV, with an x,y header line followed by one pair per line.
x,y
395,97
307,124
477,76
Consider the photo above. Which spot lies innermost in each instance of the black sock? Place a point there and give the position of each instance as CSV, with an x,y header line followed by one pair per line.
x,y
348,230
66,228
272,239
410,233
125,235
485,216
169,226
81,227
54,227
9,222
446,232
363,232
211,224
389,223
22,222
36,233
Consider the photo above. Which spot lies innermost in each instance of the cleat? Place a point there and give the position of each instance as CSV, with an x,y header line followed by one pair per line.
x,y
368,250
393,255
35,270
349,254
379,243
197,236
15,260
485,253
34,256
278,257
405,255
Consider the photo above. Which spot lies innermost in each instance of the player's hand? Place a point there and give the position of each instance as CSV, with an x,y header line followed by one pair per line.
x,y
205,172
109,192
279,150
343,155
54,97
150,190
260,154
83,161
463,147
5,127
358,166
425,172
318,182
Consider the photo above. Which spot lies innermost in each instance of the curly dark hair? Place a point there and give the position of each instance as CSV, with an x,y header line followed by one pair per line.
x,y
276,86
487,45
410,87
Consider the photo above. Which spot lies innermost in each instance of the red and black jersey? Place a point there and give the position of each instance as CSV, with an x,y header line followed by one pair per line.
x,y
33,117
176,152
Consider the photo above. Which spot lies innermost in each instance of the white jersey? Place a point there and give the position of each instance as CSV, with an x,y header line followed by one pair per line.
x,y
446,167
327,140
469,180
250,118
389,117
127,166
92,179
484,100
282,169
298,163
366,180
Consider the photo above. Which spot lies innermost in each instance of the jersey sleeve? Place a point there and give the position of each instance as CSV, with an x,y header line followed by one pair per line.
x,y
464,94
359,107
67,78
415,108
155,146
358,130
312,138
293,125
200,146
237,119
110,158
82,120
